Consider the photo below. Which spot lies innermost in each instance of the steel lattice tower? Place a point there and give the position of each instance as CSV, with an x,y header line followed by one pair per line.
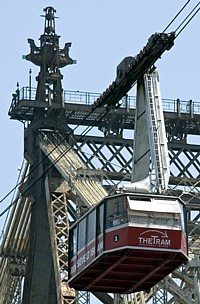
x,y
58,157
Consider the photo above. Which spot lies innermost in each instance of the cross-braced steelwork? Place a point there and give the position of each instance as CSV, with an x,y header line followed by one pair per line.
x,y
67,172
60,230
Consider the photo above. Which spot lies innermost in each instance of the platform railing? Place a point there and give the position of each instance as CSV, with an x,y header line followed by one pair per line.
x,y
88,98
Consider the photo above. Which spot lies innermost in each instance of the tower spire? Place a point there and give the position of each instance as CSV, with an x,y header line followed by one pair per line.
x,y
50,58
49,27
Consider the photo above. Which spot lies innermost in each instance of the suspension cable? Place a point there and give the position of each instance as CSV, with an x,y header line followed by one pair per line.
x,y
181,27
184,23
186,20
176,16
53,163
46,156
6,219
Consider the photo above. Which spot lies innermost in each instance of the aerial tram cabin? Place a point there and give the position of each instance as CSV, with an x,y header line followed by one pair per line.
x,y
127,243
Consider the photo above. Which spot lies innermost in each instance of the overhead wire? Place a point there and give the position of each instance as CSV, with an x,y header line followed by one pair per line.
x,y
53,163
46,156
179,12
6,219
183,24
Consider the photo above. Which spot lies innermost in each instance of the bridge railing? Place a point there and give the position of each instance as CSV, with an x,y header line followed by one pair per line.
x,y
88,98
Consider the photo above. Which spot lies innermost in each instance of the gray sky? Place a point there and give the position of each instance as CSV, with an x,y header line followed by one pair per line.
x,y
102,34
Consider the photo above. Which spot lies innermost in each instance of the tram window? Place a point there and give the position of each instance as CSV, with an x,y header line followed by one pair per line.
x,y
74,242
81,233
116,211
182,219
155,219
100,219
139,217
167,219
91,226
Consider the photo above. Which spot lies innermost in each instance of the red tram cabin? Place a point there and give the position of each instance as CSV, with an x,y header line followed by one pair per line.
x,y
127,243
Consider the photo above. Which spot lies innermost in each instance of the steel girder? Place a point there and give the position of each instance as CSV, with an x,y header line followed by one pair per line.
x,y
114,155
191,196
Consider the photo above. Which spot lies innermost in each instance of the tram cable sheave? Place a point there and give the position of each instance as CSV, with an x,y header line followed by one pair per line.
x,y
133,68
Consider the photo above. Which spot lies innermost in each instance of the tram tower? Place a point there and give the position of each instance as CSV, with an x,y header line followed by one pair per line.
x,y
43,263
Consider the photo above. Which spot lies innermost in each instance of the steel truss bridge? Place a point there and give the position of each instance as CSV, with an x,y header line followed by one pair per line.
x,y
76,154
106,158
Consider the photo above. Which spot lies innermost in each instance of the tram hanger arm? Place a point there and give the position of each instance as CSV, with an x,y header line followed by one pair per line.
x,y
133,68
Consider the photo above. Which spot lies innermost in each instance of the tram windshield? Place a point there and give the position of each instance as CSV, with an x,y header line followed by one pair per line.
x,y
156,213
116,211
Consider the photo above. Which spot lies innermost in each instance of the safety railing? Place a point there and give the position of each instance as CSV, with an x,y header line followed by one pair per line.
x,y
88,98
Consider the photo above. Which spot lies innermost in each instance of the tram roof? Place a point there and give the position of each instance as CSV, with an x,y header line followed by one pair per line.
x,y
156,205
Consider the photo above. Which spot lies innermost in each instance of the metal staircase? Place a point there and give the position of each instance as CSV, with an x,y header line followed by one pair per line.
x,y
157,134
150,160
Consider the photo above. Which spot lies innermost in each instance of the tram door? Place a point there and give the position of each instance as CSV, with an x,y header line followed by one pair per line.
x,y
100,230
90,237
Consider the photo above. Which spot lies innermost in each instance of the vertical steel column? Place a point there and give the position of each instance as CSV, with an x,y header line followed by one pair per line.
x,y
40,280
59,227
